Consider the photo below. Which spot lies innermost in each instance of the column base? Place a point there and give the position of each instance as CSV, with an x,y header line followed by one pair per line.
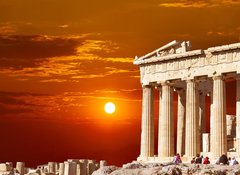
x,y
185,159
155,159
146,159
238,145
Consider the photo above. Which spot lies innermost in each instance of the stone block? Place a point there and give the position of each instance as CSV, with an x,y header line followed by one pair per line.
x,y
70,168
52,167
103,163
91,168
61,169
20,167
4,167
81,169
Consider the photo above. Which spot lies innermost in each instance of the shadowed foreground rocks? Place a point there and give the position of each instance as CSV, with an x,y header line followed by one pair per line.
x,y
137,168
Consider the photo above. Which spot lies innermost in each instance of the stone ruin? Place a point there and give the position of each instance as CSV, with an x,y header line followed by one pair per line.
x,y
69,167
193,74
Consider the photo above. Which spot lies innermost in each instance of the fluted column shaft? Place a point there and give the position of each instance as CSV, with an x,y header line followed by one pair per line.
x,y
166,135
181,121
238,112
202,117
192,118
147,135
218,118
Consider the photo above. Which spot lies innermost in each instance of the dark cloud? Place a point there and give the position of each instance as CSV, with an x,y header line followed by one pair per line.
x,y
11,104
5,110
12,98
199,3
19,51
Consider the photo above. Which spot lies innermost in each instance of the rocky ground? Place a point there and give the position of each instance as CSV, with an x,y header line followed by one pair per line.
x,y
137,168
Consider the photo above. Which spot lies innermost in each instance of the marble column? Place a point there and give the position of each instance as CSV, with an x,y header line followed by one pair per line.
x,y
61,169
238,113
211,115
192,145
84,163
20,167
91,168
181,121
218,130
205,142
52,167
70,168
166,127
202,117
147,134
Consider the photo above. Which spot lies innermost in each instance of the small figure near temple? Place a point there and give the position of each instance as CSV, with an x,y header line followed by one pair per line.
x,y
193,160
206,160
223,160
177,159
233,161
198,159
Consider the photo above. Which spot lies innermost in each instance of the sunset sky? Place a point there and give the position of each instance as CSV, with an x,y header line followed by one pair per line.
x,y
62,60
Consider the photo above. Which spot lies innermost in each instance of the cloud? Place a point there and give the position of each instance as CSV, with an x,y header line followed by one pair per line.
x,y
11,98
7,28
60,59
36,46
234,32
110,94
120,60
42,106
12,103
63,26
198,3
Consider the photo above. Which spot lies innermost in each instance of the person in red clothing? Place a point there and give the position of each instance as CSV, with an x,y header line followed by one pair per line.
x,y
193,160
177,159
206,160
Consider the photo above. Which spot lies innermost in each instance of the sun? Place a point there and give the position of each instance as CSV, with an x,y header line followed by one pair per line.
x,y
109,107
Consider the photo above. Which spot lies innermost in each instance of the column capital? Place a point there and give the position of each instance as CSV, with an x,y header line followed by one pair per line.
x,y
237,77
217,77
191,81
146,86
164,83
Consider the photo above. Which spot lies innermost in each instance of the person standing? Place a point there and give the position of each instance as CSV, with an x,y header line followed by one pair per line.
x,y
223,159
206,160
177,159
198,159
233,161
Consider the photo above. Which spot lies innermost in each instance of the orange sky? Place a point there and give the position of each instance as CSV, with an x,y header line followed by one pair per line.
x,y
60,61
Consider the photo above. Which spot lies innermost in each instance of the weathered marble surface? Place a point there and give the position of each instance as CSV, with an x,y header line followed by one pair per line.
x,y
199,73
189,64
168,169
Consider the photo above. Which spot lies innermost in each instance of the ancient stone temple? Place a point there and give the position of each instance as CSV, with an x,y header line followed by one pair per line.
x,y
193,74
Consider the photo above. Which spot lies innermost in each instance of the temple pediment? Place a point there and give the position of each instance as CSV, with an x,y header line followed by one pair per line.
x,y
174,47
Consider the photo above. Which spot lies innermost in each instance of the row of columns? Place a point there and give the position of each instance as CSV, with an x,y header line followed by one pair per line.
x,y
191,119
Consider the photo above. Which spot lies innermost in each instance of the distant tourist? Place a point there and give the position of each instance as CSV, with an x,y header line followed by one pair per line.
x,y
229,159
198,159
206,160
193,160
177,159
223,160
233,161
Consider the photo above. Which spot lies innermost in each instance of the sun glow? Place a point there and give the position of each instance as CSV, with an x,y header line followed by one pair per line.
x,y
109,107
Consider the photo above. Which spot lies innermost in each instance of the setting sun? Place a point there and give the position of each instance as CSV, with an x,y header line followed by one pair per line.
x,y
109,107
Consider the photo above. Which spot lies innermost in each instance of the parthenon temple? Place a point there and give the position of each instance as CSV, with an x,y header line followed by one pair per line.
x,y
193,75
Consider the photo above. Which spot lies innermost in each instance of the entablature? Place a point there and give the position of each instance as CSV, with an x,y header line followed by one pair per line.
x,y
187,65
